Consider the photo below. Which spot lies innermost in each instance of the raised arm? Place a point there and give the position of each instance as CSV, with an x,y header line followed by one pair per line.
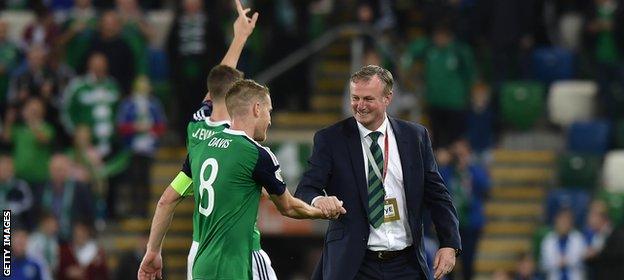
x,y
243,27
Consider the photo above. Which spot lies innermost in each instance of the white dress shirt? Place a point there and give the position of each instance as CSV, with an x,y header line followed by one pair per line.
x,y
395,235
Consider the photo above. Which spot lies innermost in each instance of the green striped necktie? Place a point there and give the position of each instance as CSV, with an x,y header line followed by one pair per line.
x,y
376,193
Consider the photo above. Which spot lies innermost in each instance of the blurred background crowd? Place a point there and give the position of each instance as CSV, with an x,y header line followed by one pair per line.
x,y
524,100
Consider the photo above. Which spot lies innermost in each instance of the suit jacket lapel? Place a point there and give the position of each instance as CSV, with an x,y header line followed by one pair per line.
x,y
356,155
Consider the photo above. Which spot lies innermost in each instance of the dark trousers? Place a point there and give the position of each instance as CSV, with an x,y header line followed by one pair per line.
x,y
401,267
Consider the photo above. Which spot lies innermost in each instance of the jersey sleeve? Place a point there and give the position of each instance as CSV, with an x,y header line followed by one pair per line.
x,y
182,182
204,111
267,172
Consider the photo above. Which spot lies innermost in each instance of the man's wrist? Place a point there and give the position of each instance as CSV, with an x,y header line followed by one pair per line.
x,y
240,38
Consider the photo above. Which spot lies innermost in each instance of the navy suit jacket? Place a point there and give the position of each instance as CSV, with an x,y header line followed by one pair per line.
x,y
337,166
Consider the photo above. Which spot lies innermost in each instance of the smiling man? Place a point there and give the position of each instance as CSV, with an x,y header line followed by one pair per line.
x,y
384,171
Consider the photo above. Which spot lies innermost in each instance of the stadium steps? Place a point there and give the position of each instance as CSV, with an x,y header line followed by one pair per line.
x,y
331,71
519,183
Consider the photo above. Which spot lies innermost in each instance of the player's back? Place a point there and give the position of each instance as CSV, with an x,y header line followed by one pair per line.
x,y
226,203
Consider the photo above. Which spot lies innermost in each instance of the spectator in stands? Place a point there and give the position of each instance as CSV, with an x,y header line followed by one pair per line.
x,y
469,183
136,31
525,270
9,58
605,40
82,258
91,100
78,30
608,263
141,122
507,29
598,229
563,249
33,78
449,73
43,243
480,121
89,168
31,138
65,198
23,266
15,194
42,32
38,78
195,42
130,261
109,41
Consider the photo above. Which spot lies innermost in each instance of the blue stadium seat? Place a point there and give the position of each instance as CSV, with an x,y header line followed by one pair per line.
x,y
590,137
157,65
552,64
575,199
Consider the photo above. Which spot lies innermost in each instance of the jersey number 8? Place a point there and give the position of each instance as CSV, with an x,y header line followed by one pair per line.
x,y
207,185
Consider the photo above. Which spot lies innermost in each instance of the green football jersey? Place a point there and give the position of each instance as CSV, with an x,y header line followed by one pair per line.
x,y
230,170
185,189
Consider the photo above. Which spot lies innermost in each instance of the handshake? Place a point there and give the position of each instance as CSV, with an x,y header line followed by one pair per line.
x,y
330,206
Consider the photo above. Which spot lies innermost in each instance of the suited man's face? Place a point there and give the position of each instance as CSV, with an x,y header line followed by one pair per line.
x,y
369,102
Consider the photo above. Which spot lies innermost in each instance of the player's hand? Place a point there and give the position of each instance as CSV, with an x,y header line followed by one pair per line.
x,y
244,26
151,266
330,206
444,262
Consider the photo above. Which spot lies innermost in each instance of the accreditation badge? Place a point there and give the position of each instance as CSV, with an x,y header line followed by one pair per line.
x,y
391,210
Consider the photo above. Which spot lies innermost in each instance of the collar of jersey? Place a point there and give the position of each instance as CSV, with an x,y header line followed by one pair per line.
x,y
241,133
211,123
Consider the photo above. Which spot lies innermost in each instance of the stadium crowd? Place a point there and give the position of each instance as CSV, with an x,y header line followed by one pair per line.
x,y
82,115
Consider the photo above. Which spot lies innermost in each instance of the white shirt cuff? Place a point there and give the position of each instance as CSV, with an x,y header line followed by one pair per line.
x,y
314,200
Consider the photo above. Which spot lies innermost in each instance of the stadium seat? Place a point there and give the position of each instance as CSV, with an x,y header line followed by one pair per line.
x,y
589,137
552,64
576,200
615,205
613,172
619,134
522,103
579,170
571,101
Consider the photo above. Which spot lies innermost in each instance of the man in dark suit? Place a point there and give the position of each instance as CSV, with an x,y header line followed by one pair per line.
x,y
382,170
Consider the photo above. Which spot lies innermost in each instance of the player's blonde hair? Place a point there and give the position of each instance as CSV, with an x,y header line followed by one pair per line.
x,y
242,94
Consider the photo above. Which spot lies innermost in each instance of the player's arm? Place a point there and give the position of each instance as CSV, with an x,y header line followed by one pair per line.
x,y
295,208
151,265
267,174
243,27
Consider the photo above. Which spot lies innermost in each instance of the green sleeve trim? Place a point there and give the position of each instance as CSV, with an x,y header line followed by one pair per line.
x,y
181,184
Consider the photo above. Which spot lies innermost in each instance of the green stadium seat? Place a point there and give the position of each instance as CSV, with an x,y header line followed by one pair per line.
x,y
579,170
615,204
522,103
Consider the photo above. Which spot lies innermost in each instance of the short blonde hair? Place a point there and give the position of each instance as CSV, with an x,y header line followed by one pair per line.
x,y
242,94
